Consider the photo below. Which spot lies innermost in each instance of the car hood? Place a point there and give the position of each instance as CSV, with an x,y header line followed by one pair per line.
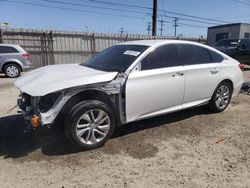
x,y
53,78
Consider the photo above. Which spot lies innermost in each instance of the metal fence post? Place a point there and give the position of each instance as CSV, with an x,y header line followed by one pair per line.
x,y
44,48
51,48
93,47
1,36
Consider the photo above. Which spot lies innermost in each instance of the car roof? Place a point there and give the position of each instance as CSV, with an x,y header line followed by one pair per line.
x,y
10,45
157,42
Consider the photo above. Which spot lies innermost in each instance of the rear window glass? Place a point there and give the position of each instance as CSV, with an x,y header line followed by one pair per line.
x,y
193,55
7,49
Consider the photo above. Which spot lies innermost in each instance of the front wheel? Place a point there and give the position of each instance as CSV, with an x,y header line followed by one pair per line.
x,y
90,124
221,97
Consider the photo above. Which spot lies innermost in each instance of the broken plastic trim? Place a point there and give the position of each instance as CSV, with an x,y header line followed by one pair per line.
x,y
110,88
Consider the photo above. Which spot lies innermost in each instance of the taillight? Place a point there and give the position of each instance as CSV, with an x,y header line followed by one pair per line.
x,y
241,66
26,56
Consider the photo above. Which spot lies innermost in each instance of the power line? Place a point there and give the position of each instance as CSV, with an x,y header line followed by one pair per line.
x,y
242,2
191,25
191,20
164,8
96,7
117,9
69,9
94,12
117,4
185,24
149,8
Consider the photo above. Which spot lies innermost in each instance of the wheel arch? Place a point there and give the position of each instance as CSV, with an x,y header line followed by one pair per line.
x,y
11,62
230,82
89,94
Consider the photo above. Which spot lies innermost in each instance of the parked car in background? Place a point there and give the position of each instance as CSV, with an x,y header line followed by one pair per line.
x,y
13,60
125,83
236,48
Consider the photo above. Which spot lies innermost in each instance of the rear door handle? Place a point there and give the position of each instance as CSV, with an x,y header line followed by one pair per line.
x,y
214,70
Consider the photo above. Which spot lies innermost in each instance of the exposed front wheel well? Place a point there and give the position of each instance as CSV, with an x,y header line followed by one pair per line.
x,y
83,96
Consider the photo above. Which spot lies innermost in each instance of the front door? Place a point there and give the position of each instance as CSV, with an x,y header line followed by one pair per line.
x,y
158,87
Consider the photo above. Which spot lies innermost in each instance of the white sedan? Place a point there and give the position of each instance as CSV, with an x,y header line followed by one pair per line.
x,y
125,83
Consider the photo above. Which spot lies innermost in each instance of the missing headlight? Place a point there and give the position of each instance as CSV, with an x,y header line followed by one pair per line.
x,y
46,102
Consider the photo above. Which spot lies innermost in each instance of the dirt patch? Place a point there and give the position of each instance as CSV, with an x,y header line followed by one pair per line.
x,y
192,148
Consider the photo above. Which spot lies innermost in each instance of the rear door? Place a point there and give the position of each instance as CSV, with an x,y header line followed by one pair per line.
x,y
202,73
158,87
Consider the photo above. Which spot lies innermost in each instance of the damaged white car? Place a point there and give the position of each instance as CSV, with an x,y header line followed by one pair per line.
x,y
125,83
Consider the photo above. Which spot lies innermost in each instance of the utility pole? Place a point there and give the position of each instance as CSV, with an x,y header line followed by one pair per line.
x,y
154,18
175,25
122,31
148,28
162,24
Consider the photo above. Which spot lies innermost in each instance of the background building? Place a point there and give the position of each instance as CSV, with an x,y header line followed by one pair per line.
x,y
236,30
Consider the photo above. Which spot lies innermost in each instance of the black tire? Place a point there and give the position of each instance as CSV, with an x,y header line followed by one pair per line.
x,y
74,117
212,103
12,70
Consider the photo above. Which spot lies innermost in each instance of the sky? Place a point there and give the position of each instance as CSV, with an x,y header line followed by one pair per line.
x,y
83,15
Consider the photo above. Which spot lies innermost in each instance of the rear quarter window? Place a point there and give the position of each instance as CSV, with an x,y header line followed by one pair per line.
x,y
8,49
216,58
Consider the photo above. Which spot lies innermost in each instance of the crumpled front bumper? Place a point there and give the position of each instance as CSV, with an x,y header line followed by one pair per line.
x,y
30,114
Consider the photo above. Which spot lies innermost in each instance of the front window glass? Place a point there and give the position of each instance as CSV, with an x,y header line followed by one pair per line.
x,y
116,58
162,57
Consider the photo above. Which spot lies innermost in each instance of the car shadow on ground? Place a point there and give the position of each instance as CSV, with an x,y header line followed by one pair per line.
x,y
52,142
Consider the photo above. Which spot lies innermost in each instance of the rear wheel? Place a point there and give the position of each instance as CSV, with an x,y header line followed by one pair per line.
x,y
12,70
90,124
221,97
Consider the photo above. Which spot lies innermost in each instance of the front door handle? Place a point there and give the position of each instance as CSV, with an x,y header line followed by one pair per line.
x,y
178,74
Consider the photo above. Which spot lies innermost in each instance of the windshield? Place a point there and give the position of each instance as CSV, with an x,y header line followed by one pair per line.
x,y
116,58
227,43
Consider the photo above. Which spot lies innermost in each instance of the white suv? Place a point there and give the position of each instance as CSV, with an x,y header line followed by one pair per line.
x,y
126,83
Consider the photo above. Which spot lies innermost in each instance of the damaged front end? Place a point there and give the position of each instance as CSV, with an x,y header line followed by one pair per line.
x,y
43,111
28,106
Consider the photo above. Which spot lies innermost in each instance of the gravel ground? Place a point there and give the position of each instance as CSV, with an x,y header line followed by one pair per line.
x,y
192,148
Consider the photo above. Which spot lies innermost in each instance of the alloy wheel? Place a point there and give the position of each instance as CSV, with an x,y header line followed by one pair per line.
x,y
12,71
93,126
222,97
